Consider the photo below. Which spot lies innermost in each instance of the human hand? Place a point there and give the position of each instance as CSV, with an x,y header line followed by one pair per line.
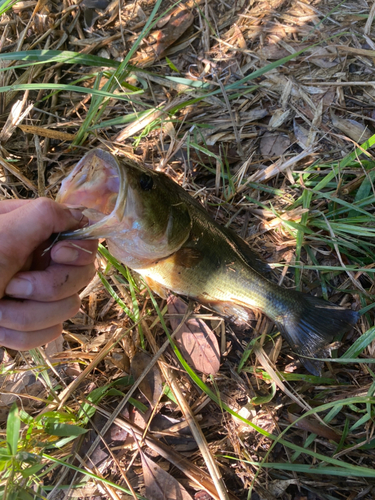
x,y
38,292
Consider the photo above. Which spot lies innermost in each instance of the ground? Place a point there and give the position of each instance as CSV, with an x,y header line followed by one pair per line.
x,y
263,111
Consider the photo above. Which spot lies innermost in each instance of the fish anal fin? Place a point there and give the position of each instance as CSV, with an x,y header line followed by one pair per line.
x,y
235,313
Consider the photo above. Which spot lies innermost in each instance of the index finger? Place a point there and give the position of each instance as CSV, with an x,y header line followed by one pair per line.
x,y
7,206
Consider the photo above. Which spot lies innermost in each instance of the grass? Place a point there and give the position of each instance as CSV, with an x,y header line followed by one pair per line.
x,y
313,222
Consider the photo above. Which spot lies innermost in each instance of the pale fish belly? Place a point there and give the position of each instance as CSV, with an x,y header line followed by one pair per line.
x,y
203,285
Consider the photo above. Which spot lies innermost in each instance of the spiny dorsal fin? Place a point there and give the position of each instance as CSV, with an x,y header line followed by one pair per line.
x,y
249,256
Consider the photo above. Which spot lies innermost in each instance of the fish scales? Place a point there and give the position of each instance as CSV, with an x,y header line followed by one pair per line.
x,y
209,269
156,228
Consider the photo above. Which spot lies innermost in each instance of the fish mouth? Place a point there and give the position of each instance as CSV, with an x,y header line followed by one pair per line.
x,y
99,185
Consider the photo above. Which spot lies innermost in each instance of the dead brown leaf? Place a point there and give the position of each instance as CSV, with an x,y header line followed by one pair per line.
x,y
272,145
352,128
325,57
178,21
152,385
16,385
301,133
197,343
314,427
160,485
54,347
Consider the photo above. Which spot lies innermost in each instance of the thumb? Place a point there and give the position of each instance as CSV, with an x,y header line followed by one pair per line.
x,y
25,228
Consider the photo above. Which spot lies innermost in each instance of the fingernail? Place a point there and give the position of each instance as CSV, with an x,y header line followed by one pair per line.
x,y
19,287
77,214
65,254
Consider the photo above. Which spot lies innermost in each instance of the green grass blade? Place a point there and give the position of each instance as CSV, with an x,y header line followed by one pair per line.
x,y
68,88
35,57
5,5
311,469
360,344
114,295
13,429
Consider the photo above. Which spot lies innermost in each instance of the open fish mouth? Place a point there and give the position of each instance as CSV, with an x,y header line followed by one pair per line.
x,y
138,211
99,185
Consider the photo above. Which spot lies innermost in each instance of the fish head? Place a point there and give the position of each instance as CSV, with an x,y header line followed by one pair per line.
x,y
139,211
92,184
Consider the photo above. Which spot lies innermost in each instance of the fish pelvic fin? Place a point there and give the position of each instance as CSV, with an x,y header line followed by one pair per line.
x,y
157,287
314,325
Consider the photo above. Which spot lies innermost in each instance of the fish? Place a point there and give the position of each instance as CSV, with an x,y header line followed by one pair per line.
x,y
155,227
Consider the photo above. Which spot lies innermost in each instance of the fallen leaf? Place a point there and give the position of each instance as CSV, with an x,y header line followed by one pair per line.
x,y
278,487
175,433
328,98
272,52
254,114
99,457
160,485
55,346
152,385
279,117
324,57
121,361
15,385
353,129
315,427
273,144
301,133
139,418
178,21
197,343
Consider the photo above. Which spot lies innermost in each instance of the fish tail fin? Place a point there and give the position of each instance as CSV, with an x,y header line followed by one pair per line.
x,y
314,325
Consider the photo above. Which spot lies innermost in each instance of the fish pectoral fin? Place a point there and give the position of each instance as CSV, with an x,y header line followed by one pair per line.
x,y
187,257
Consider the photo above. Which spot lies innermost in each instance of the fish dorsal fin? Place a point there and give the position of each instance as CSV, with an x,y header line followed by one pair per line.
x,y
251,258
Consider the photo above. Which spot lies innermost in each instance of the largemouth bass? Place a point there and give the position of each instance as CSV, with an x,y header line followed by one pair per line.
x,y
157,229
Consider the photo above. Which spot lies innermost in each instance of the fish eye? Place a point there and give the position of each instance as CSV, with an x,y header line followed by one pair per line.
x,y
146,182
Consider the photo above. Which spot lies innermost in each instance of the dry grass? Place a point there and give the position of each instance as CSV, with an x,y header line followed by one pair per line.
x,y
264,111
